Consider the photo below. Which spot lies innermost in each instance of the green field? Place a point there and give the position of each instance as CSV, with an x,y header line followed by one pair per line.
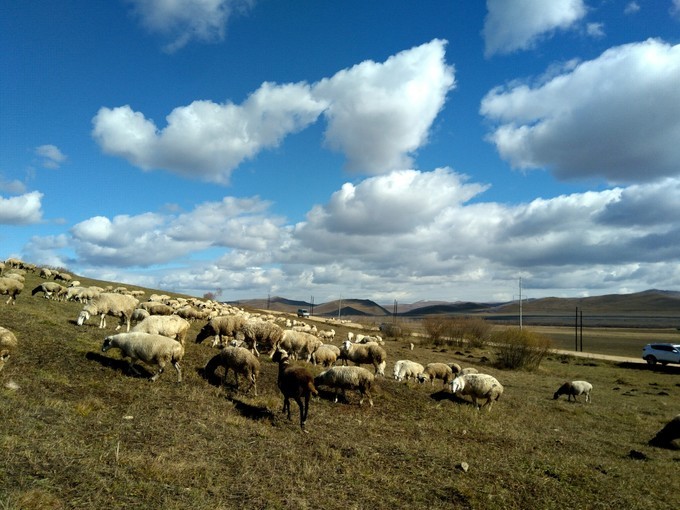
x,y
79,432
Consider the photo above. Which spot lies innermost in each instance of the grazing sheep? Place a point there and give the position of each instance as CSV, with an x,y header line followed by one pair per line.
x,y
8,344
10,287
139,314
436,371
326,355
371,354
347,378
116,305
190,313
295,382
298,344
668,436
478,386
157,308
45,273
171,326
52,290
151,349
219,327
404,369
264,333
573,389
326,334
238,359
455,367
65,277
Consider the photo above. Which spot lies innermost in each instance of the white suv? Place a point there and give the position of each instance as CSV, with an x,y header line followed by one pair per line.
x,y
663,353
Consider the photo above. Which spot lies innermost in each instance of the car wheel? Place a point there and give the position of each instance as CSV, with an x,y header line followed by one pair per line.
x,y
664,363
651,360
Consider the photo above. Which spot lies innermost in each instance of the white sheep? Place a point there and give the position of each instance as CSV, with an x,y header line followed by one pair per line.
x,y
467,370
157,308
359,354
10,287
404,369
326,334
171,326
116,305
326,355
51,290
240,360
222,328
478,386
8,344
347,378
298,344
455,367
263,333
151,349
436,371
573,389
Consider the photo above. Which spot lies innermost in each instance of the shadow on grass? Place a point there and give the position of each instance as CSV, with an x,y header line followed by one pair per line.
x,y
119,365
658,368
447,395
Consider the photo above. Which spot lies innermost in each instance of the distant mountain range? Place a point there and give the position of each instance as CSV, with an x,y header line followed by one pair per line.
x,y
664,302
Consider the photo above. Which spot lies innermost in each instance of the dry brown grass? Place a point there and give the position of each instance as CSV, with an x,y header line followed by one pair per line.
x,y
79,432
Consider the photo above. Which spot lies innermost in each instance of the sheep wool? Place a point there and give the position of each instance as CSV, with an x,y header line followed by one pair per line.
x,y
371,354
151,349
222,327
347,378
171,326
478,386
405,369
326,355
108,303
436,371
574,389
10,287
8,344
298,344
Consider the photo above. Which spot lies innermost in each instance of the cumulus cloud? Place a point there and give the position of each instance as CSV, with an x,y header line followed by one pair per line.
x,y
513,25
632,8
378,113
13,187
50,156
21,210
185,20
616,117
454,246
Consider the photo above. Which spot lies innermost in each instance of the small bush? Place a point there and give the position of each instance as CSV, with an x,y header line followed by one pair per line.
x,y
457,330
519,348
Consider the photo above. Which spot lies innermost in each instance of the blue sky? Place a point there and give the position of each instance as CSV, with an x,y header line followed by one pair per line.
x,y
433,150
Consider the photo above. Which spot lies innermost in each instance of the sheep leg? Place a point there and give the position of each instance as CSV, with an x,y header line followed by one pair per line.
x,y
179,370
286,406
157,374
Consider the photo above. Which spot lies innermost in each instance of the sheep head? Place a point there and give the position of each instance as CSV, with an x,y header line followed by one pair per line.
x,y
82,317
107,344
457,384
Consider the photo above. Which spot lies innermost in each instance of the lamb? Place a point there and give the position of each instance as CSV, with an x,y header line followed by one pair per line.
x,y
365,353
347,378
298,344
295,382
8,344
326,355
256,331
478,386
238,359
117,305
52,290
404,369
171,326
436,371
151,349
573,389
10,287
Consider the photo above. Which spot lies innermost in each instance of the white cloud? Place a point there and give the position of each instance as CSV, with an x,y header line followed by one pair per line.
x,y
616,117
513,25
14,187
51,156
185,20
631,8
21,210
377,115
595,30
675,9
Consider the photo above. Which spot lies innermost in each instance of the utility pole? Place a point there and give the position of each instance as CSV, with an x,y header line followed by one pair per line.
x,y
339,306
520,302
312,303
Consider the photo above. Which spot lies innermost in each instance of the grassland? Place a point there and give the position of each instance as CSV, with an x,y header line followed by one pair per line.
x,y
77,431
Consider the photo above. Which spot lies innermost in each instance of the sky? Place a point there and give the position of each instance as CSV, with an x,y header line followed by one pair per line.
x,y
408,151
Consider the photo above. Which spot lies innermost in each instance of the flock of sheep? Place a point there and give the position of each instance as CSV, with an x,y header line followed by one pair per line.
x,y
159,336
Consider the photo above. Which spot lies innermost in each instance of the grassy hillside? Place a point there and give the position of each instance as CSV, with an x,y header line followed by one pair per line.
x,y
79,432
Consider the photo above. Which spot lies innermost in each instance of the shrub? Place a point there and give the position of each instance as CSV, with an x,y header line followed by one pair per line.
x,y
519,348
456,330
